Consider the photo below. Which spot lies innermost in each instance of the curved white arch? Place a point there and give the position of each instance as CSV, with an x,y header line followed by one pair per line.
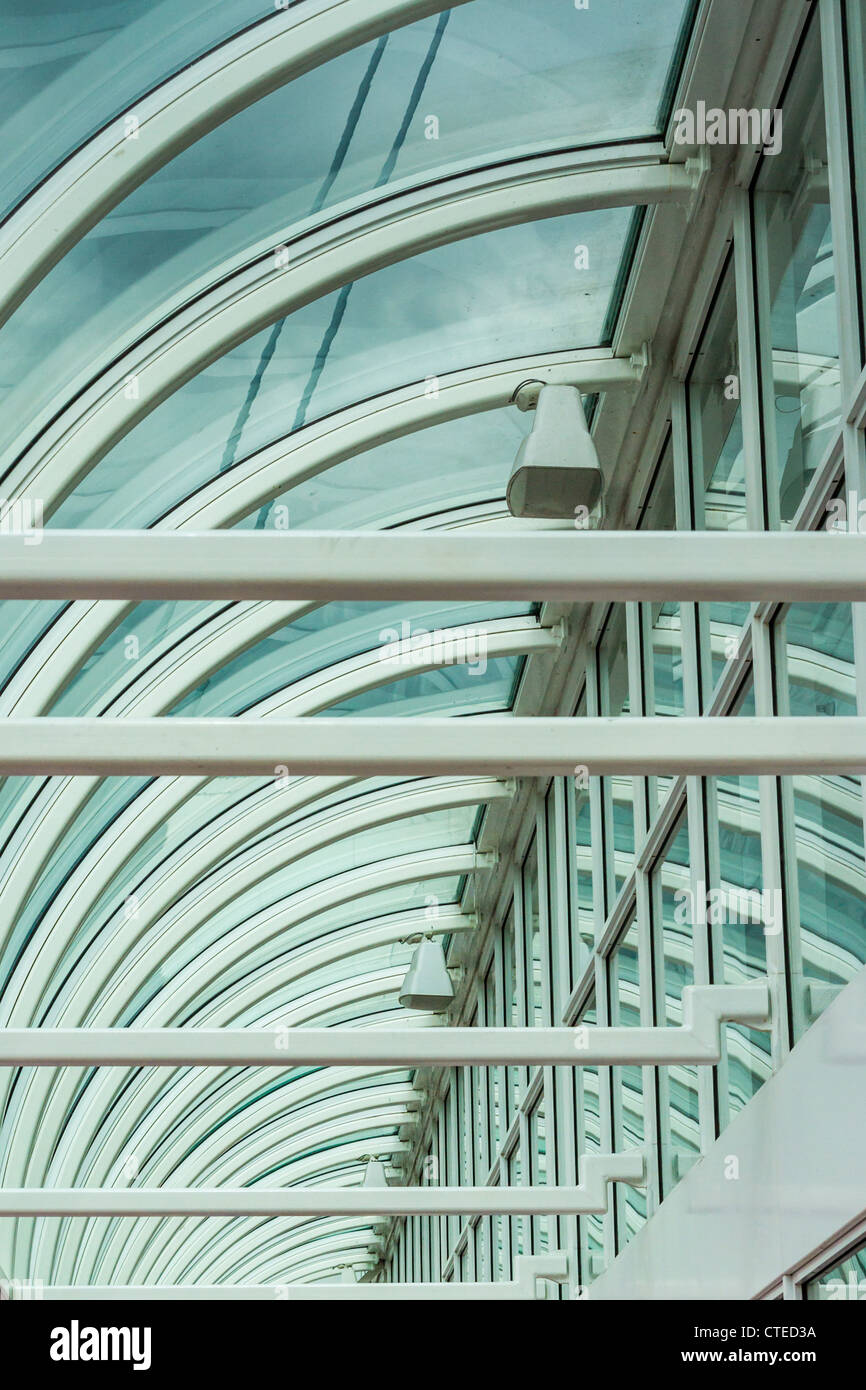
x,y
327,257
244,1093
285,1134
243,872
178,112
30,1154
504,637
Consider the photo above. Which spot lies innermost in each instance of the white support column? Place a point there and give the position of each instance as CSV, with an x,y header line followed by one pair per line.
x,y
697,1042
612,566
498,745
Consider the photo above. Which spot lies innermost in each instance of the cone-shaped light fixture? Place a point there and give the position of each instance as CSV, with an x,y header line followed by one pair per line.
x,y
427,984
374,1173
556,471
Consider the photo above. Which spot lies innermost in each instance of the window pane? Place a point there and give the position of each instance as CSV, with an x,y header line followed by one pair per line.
x,y
738,912
617,792
824,813
625,974
716,431
675,923
797,290
845,1281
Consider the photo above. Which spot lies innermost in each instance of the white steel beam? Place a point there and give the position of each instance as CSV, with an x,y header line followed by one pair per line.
x,y
819,567
330,1201
528,1270
696,1042
499,745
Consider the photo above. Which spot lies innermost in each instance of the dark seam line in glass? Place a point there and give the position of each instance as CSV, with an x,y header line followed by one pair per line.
x,y
163,82
386,172
336,165
343,297
225,280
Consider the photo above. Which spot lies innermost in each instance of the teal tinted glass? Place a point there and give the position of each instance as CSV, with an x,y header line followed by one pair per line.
x,y
70,68
208,660
421,100
824,813
492,297
452,465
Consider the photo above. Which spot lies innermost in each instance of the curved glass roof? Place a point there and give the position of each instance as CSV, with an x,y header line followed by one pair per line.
x,y
249,901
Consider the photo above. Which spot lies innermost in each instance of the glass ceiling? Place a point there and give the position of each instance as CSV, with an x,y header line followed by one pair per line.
x,y
243,901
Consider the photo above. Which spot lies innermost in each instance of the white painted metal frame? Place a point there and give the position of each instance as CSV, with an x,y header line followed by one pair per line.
x,y
327,257
524,1287
608,566
221,83
487,745
696,1042
305,1202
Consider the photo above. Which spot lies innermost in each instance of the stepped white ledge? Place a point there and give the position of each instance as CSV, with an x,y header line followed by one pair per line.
x,y
590,1197
696,1042
530,1271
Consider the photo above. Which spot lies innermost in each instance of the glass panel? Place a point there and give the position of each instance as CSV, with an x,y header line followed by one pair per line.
x,y
405,323
519,1224
796,285
738,910
676,923
441,468
70,68
532,936
662,622
494,1119
846,1280
824,814
716,436
407,107
514,1075
625,974
542,1226
587,1102
617,792
583,854
397,638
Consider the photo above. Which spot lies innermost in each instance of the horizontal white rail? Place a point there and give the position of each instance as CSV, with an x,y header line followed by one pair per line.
x,y
498,745
698,1041
330,1201
528,1270
568,566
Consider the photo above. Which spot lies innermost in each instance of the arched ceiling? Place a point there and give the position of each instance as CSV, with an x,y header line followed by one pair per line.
x,y
277,271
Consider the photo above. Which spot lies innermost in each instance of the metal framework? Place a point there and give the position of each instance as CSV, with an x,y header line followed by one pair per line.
x,y
495,746
320,566
325,259
696,1042
529,1271
248,961
306,1202
224,81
